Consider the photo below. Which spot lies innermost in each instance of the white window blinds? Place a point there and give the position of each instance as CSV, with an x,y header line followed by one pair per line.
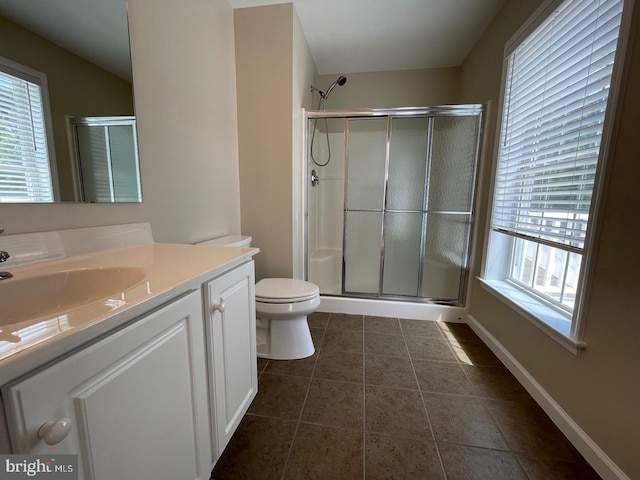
x,y
555,101
25,175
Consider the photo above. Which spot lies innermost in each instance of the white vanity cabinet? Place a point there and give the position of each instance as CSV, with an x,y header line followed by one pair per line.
x,y
230,328
133,405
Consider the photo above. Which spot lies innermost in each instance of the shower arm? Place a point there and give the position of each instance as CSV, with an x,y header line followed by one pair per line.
x,y
314,89
324,95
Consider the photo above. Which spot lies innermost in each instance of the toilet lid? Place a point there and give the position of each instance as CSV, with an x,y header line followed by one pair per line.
x,y
285,290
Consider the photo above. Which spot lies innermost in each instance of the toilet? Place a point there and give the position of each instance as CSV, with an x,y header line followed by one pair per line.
x,y
282,306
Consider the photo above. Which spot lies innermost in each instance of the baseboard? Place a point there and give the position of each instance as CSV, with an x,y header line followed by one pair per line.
x,y
596,457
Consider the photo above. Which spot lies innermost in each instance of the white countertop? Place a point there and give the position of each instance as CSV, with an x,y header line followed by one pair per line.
x,y
169,271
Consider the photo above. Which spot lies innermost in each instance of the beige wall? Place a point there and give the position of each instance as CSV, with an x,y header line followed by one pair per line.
x,y
76,88
264,63
304,71
403,88
598,388
185,98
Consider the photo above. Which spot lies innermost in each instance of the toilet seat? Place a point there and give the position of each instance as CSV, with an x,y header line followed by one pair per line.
x,y
285,290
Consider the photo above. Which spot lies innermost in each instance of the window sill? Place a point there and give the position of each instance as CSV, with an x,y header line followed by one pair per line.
x,y
550,321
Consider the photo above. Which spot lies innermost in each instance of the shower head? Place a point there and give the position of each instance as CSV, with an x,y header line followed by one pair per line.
x,y
340,82
324,95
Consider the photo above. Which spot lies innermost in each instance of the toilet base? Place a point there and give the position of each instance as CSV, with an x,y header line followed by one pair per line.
x,y
287,339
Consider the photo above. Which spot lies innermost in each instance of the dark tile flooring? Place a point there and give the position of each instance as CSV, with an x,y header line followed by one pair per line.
x,y
386,398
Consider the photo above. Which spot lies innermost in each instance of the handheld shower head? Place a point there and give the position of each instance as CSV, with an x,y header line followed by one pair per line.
x,y
323,96
340,82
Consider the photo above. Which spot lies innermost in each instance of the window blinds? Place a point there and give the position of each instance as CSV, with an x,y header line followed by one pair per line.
x,y
24,164
555,101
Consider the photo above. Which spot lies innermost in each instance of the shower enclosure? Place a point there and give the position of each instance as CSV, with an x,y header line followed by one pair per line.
x,y
390,210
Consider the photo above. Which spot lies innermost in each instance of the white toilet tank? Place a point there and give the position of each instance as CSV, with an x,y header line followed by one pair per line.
x,y
229,241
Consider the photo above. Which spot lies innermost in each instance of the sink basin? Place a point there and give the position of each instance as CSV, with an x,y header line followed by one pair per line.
x,y
54,294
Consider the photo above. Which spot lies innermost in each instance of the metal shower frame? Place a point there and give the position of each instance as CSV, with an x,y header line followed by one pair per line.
x,y
477,110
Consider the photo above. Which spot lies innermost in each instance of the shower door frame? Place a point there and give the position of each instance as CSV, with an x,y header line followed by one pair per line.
x,y
477,110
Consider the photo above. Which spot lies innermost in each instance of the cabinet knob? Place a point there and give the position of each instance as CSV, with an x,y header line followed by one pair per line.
x,y
54,432
219,307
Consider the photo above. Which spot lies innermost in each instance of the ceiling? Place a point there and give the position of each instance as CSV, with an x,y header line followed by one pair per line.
x,y
348,36
344,36
95,30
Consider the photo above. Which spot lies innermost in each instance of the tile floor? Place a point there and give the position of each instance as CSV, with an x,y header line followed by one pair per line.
x,y
395,399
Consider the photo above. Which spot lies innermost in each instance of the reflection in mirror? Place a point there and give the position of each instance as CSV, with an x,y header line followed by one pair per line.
x,y
63,60
106,160
27,159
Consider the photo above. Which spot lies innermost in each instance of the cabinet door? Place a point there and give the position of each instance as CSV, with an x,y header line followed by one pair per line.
x,y
231,335
136,400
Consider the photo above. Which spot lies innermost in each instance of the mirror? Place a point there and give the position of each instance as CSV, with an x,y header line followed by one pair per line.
x,y
82,48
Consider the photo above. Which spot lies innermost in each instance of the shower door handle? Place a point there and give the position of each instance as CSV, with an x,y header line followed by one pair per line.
x,y
315,180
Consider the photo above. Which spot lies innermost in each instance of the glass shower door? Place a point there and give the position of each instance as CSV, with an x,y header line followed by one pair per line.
x,y
408,206
364,201
404,205
106,159
449,206
409,181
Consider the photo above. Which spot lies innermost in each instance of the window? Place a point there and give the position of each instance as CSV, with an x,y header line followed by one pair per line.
x,y
558,76
25,167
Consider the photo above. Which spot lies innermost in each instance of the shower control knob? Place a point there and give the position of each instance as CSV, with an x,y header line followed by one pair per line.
x,y
315,180
218,307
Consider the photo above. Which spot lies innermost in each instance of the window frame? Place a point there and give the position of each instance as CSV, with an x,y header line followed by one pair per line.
x,y
498,247
23,72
